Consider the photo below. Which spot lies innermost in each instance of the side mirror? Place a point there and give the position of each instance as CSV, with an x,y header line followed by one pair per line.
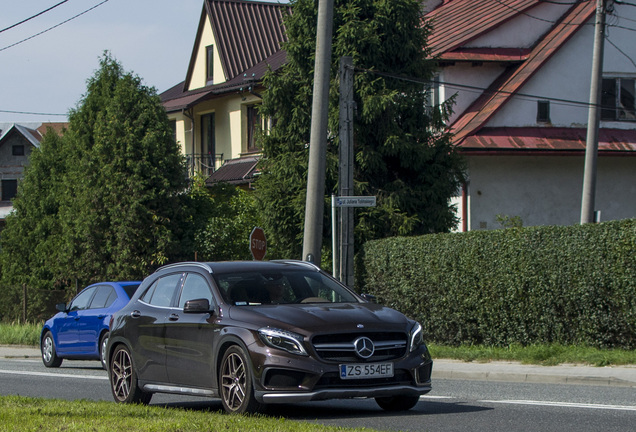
x,y
197,306
61,307
368,297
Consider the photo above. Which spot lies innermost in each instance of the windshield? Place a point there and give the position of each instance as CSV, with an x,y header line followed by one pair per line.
x,y
281,287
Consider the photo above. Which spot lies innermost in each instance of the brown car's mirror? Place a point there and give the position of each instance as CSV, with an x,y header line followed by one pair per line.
x,y
197,306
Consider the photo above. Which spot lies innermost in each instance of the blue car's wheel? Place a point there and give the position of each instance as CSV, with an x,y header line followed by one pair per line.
x,y
103,342
49,356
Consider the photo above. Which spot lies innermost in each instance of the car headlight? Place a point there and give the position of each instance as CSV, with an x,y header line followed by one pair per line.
x,y
416,337
281,339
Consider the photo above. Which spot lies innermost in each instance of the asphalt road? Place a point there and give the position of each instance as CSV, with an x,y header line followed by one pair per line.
x,y
453,405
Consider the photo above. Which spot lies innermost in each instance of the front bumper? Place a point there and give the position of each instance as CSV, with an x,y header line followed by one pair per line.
x,y
283,378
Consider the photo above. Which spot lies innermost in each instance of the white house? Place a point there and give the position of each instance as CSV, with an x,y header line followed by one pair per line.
x,y
520,71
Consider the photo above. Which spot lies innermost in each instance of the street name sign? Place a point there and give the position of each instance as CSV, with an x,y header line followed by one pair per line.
x,y
355,201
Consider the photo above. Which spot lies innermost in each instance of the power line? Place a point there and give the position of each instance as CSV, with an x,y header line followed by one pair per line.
x,y
34,16
55,26
620,51
31,113
476,88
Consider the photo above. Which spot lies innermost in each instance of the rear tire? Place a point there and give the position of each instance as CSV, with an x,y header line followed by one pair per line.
x,y
49,356
397,403
123,378
237,391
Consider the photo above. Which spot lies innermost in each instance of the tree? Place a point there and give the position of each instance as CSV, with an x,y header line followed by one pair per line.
x,y
402,153
127,215
106,199
228,215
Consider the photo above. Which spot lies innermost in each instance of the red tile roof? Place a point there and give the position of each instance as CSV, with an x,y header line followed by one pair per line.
x,y
548,139
486,54
513,79
457,22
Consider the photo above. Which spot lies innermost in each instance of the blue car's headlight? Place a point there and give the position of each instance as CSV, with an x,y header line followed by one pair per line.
x,y
282,339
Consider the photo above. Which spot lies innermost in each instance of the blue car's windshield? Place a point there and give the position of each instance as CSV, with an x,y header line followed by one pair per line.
x,y
290,286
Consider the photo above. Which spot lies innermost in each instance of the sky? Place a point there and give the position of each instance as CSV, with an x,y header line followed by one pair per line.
x,y
47,74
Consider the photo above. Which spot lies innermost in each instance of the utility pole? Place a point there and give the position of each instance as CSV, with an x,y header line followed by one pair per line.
x,y
315,202
594,117
345,173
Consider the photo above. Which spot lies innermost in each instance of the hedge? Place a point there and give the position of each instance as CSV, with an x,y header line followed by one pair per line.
x,y
552,284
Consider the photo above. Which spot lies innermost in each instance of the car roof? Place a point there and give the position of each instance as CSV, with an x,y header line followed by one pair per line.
x,y
237,266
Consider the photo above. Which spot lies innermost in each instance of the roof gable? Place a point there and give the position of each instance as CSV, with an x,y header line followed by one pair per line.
x,y
459,21
245,33
31,135
509,83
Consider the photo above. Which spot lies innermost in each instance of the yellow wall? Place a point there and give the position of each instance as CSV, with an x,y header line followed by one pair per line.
x,y
230,125
198,78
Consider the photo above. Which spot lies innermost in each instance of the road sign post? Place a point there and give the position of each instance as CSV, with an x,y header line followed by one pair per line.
x,y
346,273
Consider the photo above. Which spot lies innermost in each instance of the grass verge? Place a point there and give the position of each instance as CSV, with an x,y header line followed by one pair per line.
x,y
19,413
546,355
20,334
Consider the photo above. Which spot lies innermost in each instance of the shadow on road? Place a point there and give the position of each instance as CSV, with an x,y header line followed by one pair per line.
x,y
337,409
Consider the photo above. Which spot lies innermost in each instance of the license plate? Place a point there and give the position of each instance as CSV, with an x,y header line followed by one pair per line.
x,y
363,370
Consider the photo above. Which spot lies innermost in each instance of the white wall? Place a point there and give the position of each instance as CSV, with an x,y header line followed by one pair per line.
x,y
546,190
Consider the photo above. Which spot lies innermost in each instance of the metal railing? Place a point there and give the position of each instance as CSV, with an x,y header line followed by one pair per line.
x,y
205,164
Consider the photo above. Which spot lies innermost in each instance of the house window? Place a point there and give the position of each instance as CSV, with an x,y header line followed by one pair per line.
x,y
617,99
9,189
207,144
543,111
209,64
253,125
18,150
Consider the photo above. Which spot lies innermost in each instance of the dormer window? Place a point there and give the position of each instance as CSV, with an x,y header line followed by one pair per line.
x,y
209,64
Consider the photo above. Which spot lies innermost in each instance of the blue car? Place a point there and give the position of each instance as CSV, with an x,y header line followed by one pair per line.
x,y
79,331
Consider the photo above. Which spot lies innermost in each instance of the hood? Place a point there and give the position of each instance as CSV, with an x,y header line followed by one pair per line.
x,y
324,317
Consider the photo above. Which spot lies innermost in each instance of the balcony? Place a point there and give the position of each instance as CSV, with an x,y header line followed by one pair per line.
x,y
204,164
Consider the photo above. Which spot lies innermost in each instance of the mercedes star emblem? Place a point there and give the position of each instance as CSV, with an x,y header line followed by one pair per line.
x,y
364,347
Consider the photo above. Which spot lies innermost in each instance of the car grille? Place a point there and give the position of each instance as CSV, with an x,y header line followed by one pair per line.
x,y
341,347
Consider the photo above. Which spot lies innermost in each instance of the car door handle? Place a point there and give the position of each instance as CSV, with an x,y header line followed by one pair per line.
x,y
101,316
135,314
173,317
76,318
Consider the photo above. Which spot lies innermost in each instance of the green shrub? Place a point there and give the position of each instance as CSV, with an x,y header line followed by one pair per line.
x,y
554,284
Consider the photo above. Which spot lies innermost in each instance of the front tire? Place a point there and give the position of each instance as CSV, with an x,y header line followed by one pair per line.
x,y
123,378
237,392
397,403
49,356
103,342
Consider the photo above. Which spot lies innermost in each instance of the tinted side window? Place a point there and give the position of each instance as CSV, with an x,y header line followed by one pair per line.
x,y
130,289
81,301
102,296
162,291
194,287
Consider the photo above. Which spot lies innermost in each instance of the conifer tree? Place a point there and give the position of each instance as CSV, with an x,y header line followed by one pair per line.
x,y
403,156
104,201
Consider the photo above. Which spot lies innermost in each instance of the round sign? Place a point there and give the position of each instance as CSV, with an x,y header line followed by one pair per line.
x,y
258,243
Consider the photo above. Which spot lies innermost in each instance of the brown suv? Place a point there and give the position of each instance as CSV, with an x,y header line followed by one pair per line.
x,y
255,333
